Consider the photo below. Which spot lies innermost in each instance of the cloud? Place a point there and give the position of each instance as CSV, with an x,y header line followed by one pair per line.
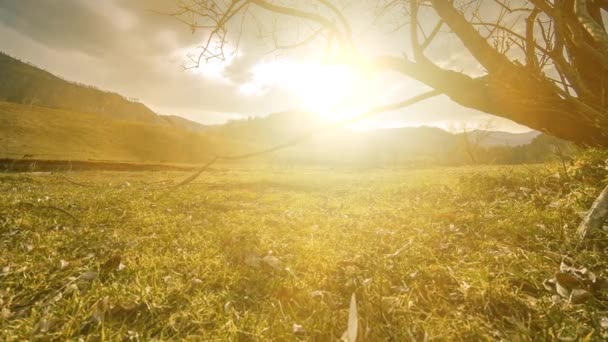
x,y
63,24
117,45
240,70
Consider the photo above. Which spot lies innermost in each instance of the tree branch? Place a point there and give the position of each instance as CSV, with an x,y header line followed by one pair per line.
x,y
293,12
597,33
487,56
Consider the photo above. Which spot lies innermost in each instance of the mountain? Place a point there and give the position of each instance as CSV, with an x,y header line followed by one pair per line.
x,y
24,83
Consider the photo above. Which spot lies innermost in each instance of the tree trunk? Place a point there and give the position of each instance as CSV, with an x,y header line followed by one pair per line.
x,y
596,217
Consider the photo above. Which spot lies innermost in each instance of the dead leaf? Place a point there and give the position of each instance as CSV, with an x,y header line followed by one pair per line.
x,y
89,276
350,335
57,297
130,309
273,262
579,296
111,264
583,273
565,283
401,288
298,329
464,286
71,288
561,290
253,260
45,324
532,301
549,285
5,313
317,294
228,307
590,276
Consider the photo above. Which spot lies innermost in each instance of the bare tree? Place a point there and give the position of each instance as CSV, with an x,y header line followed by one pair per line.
x,y
473,137
545,62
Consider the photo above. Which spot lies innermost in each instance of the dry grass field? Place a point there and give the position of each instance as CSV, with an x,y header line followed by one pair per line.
x,y
262,254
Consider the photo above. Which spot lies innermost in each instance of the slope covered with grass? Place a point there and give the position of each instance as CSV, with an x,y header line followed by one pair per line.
x,y
256,255
24,83
61,134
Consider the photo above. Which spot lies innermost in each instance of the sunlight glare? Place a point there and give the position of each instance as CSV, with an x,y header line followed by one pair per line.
x,y
331,91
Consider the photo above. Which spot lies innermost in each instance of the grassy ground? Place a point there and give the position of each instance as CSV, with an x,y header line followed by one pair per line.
x,y
447,254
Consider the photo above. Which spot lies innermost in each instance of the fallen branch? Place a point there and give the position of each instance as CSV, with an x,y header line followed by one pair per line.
x,y
595,218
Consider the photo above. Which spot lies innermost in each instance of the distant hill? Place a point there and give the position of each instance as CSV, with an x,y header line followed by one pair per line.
x,y
284,125
406,145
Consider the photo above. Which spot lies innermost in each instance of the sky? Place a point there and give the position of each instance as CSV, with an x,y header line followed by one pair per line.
x,y
126,46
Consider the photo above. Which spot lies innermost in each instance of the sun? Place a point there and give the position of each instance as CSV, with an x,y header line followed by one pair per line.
x,y
331,91
327,90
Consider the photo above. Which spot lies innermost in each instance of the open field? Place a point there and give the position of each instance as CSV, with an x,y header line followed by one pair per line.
x,y
261,254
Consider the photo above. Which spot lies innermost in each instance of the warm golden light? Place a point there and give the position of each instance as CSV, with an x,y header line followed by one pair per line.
x,y
332,91
324,89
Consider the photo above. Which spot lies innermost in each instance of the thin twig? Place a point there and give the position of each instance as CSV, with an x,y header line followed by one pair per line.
x,y
76,183
63,211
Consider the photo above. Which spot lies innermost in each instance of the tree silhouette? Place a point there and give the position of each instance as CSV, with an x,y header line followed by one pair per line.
x,y
544,63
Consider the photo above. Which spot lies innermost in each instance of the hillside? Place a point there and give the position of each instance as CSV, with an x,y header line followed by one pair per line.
x,y
185,124
26,84
45,116
62,134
